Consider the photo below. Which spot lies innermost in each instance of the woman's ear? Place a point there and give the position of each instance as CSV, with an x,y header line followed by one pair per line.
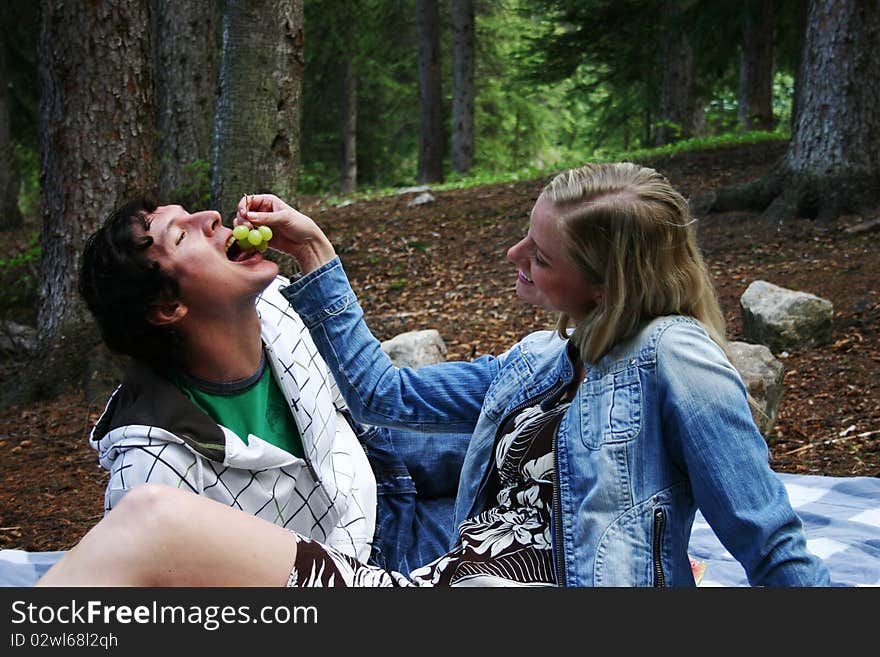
x,y
164,313
597,293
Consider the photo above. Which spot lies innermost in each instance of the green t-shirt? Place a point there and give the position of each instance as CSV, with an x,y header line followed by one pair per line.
x,y
254,405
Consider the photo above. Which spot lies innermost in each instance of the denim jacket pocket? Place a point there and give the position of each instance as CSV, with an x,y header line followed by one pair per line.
x,y
611,407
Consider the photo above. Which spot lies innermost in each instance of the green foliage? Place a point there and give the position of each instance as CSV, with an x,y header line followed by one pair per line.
x,y
641,155
419,245
783,94
721,110
645,156
607,54
510,112
27,164
378,38
556,81
694,144
195,188
18,277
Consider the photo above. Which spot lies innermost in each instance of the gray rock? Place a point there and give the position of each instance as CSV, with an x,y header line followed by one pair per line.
x,y
411,190
785,319
416,348
763,375
17,338
422,199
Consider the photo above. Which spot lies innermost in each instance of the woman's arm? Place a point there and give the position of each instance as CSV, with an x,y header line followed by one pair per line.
x,y
707,423
445,397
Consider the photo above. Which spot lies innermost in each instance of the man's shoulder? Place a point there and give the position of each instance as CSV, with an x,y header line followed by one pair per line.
x,y
148,405
275,286
273,306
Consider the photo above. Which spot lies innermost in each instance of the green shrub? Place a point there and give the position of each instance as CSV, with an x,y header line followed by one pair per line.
x,y
19,292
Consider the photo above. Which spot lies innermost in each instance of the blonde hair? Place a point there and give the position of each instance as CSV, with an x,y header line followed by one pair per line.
x,y
628,229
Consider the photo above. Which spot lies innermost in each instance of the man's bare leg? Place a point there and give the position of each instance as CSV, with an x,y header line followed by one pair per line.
x,y
162,536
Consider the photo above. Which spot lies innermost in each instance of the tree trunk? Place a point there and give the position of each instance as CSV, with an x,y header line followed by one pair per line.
x,y
97,146
698,127
835,147
256,131
800,8
348,179
430,93
755,111
832,165
10,216
463,40
676,93
187,65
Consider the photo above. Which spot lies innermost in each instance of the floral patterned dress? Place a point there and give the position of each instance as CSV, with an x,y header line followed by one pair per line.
x,y
508,544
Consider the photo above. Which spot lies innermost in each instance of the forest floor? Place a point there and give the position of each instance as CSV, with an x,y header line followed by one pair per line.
x,y
442,265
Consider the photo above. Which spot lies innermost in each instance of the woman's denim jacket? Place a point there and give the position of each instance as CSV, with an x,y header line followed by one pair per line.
x,y
659,427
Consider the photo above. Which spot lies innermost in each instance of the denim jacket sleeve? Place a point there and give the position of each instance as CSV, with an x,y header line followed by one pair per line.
x,y
446,397
710,431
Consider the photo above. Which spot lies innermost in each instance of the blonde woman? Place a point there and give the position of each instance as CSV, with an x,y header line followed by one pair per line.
x,y
593,445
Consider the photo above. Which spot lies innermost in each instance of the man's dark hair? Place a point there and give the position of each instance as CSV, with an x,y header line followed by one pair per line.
x,y
119,282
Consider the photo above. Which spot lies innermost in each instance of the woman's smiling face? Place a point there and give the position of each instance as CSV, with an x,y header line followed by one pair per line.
x,y
546,276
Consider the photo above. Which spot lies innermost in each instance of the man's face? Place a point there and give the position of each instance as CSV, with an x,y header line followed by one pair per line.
x,y
192,248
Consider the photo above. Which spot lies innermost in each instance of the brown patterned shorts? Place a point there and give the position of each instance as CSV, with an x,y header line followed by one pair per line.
x,y
318,565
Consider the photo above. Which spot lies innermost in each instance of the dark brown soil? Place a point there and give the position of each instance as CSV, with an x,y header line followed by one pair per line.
x,y
443,266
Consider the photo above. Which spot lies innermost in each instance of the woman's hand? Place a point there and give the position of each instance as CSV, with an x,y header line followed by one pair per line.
x,y
292,231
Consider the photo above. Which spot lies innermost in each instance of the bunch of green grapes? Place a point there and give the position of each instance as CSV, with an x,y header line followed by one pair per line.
x,y
252,238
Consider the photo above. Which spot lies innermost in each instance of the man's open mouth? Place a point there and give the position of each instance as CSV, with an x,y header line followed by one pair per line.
x,y
235,253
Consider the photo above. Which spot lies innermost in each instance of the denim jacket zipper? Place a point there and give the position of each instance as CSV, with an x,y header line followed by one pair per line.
x,y
555,389
559,555
659,524
557,521
516,409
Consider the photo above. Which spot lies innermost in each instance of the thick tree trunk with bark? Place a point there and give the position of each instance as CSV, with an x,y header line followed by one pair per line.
x,y
676,93
10,216
187,66
97,148
348,179
755,111
256,132
430,92
832,166
463,44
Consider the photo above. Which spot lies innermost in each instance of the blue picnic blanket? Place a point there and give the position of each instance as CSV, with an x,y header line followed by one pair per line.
x,y
841,517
